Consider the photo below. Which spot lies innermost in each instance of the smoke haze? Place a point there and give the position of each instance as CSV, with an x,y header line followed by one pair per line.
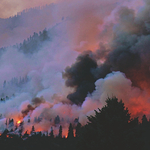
x,y
96,49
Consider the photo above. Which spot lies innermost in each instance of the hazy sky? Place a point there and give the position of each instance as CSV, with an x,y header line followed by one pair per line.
x,y
11,7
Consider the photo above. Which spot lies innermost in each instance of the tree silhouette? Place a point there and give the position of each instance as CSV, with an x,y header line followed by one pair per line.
x,y
21,127
51,133
78,130
109,128
144,120
32,130
57,120
60,132
70,131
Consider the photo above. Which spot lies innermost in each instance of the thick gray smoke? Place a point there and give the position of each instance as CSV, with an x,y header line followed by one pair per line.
x,y
79,76
130,46
128,52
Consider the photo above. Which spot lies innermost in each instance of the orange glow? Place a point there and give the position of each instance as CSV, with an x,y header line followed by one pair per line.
x,y
7,136
38,129
18,122
26,132
66,136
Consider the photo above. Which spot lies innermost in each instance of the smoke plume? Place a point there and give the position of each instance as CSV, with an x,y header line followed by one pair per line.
x,y
79,76
128,51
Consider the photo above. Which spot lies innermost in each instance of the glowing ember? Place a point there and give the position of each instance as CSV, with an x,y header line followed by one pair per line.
x,y
18,122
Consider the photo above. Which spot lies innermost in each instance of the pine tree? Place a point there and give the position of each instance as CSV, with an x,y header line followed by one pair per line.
x,y
78,130
32,130
26,134
57,120
70,131
60,132
51,133
4,84
144,120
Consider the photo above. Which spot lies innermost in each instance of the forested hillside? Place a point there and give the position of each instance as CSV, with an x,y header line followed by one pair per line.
x,y
110,128
32,44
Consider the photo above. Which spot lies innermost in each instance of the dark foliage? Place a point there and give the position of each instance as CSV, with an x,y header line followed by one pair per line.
x,y
110,128
60,132
78,130
57,120
33,44
52,133
70,131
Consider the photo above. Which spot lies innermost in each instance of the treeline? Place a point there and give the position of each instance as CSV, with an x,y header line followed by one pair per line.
x,y
110,128
11,86
27,12
21,20
15,82
38,140
18,20
31,44
13,127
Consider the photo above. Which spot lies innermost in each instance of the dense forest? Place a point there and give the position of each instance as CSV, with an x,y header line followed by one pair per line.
x,y
110,128
34,42
31,44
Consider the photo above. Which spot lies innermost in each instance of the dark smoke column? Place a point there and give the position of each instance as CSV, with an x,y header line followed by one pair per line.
x,y
79,76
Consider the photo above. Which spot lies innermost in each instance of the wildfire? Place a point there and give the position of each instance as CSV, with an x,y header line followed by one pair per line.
x,y
18,122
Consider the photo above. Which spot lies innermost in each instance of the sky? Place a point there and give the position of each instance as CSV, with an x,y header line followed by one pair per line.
x,y
11,7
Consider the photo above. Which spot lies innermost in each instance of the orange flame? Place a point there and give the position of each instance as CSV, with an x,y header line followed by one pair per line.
x,y
18,122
